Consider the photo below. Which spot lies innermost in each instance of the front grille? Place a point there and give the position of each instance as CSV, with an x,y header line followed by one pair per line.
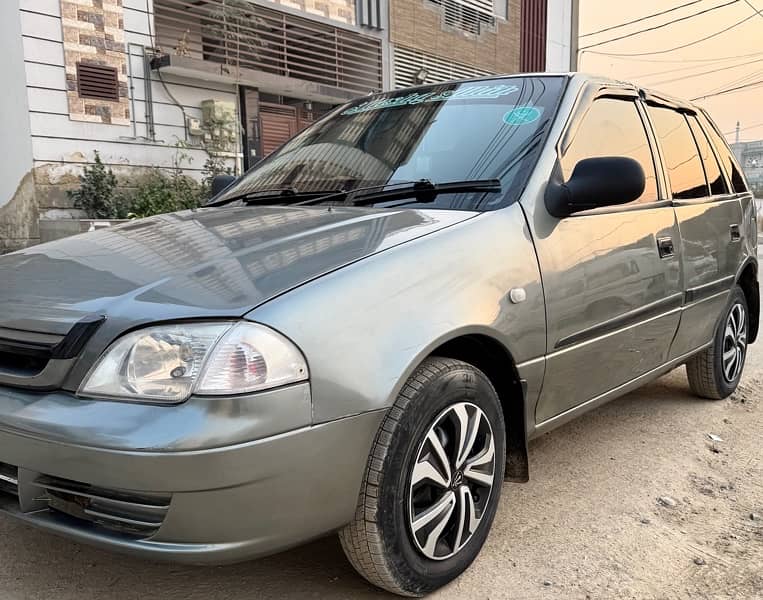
x,y
37,360
9,480
131,513
22,364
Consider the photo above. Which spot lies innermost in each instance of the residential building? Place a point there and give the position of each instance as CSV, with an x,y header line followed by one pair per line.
x,y
750,157
171,83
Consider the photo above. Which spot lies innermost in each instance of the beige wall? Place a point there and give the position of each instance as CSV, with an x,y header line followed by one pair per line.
x,y
338,10
419,24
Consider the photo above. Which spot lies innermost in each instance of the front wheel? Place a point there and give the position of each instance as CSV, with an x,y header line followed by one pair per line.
x,y
715,372
432,483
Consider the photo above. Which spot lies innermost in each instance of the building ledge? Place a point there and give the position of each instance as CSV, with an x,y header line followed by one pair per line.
x,y
204,70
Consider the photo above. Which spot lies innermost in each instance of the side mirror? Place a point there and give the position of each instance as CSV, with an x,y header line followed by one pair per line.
x,y
595,182
220,182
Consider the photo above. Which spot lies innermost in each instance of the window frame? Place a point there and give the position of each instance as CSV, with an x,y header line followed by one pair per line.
x,y
724,176
626,93
683,112
706,122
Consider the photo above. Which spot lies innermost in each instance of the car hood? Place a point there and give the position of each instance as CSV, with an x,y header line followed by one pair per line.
x,y
220,262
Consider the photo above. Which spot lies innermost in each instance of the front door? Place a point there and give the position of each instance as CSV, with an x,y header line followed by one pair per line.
x,y
710,219
278,124
611,281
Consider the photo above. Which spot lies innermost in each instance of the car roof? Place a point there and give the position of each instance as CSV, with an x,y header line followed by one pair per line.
x,y
581,78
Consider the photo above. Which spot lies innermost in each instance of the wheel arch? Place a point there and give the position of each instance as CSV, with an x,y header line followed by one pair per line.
x,y
748,281
496,361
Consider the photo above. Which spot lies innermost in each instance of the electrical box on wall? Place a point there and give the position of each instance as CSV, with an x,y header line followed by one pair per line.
x,y
194,127
219,125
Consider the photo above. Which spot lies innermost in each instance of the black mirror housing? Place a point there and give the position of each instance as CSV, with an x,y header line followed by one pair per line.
x,y
220,182
595,182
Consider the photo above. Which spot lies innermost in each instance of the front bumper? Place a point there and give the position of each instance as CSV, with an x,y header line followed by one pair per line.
x,y
213,504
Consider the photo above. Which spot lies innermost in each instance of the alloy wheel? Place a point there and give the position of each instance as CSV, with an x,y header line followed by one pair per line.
x,y
451,481
734,343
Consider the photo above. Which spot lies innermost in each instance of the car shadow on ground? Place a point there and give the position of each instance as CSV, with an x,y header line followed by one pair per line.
x,y
43,565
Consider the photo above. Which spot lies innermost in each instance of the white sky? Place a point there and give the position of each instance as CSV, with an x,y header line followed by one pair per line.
x,y
684,72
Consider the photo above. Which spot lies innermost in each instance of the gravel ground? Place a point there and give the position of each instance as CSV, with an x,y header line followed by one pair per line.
x,y
590,524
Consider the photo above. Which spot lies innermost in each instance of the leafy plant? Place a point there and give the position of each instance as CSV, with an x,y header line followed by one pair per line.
x,y
97,194
214,166
158,191
235,27
161,192
166,190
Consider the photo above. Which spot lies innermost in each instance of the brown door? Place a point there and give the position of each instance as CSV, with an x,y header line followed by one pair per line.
x,y
278,123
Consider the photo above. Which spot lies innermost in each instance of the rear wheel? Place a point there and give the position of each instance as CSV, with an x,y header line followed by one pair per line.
x,y
432,482
716,371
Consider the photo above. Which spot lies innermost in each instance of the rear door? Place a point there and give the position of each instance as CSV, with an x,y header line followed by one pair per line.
x,y
709,218
611,276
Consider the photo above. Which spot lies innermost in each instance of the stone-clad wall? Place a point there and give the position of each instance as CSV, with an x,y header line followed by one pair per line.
x,y
94,33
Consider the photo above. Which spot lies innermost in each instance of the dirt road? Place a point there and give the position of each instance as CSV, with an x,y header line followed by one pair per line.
x,y
588,525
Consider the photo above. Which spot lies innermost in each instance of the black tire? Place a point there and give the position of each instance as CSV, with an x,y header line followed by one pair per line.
x,y
706,371
379,542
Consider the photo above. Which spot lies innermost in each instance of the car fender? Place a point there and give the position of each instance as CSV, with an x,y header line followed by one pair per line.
x,y
365,327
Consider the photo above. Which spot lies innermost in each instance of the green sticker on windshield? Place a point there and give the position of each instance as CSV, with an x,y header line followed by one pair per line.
x,y
522,115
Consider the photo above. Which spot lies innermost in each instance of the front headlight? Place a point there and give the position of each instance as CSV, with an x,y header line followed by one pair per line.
x,y
168,363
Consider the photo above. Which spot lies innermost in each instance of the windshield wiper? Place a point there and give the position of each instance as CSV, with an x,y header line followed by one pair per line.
x,y
426,191
253,196
423,190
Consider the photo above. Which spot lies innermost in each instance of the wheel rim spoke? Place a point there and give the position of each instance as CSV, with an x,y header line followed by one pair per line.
x,y
467,433
734,343
467,518
451,481
438,516
425,470
440,453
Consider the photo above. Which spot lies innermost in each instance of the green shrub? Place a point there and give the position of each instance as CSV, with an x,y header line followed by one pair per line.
x,y
155,192
214,166
97,194
160,191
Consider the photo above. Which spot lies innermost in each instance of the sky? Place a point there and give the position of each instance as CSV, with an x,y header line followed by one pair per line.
x,y
726,60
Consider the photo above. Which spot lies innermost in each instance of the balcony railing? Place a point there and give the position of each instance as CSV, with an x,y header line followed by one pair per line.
x,y
242,35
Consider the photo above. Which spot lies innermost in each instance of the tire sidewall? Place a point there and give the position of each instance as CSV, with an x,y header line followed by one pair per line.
x,y
417,573
737,297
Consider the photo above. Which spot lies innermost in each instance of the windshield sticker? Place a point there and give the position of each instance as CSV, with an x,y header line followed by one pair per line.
x,y
522,115
476,92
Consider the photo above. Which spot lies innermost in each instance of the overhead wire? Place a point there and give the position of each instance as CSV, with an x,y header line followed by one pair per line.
x,y
743,128
640,19
729,90
668,50
697,66
661,25
717,70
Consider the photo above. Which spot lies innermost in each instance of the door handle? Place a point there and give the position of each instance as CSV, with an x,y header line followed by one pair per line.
x,y
665,247
736,234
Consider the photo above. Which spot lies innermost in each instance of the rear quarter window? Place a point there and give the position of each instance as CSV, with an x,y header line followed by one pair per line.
x,y
725,155
712,168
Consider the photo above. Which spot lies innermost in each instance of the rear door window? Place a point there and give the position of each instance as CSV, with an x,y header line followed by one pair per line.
x,y
727,159
679,151
612,128
712,168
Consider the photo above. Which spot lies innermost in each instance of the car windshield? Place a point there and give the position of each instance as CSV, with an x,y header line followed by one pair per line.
x,y
476,130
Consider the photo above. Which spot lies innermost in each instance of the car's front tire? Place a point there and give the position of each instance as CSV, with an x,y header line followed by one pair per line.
x,y
432,482
715,372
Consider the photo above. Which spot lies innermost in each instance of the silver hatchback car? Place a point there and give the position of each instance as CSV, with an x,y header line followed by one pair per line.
x,y
363,332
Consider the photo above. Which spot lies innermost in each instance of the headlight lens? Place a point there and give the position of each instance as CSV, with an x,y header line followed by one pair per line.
x,y
168,363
